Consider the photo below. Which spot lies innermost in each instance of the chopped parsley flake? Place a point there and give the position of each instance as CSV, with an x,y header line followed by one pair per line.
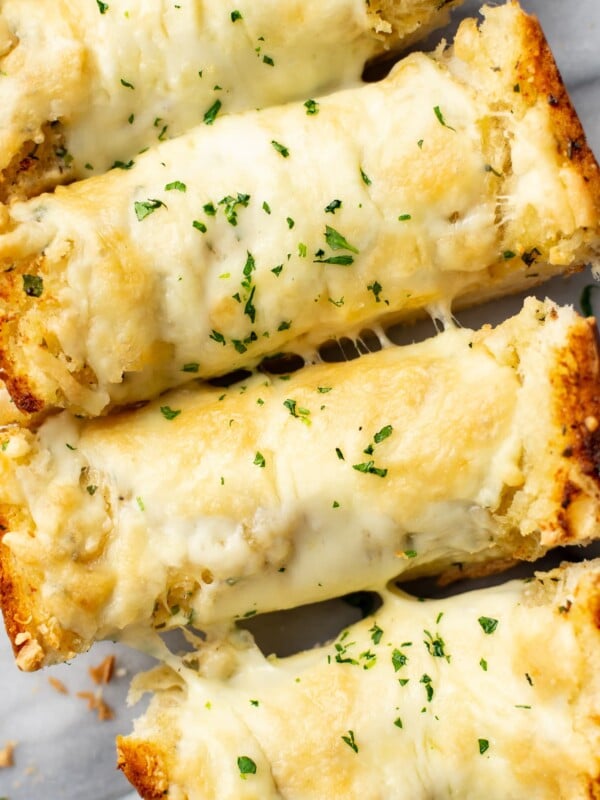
x,y
336,241
211,114
410,553
350,741
339,454
266,207
70,446
332,207
529,679
285,325
426,681
435,646
342,261
376,288
209,209
337,303
268,60
290,222
365,178
102,7
384,433
399,659
277,270
91,490
169,413
147,207
370,468
483,745
217,337
302,250
440,118
335,504
420,144
483,664
33,285
191,366
404,217
312,107
259,459
123,164
376,633
246,766
230,205
489,624
249,308
199,225
323,389
140,503
398,722
126,84
176,186
254,703
281,149
235,15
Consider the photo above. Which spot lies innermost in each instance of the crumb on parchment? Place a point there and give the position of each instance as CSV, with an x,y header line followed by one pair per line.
x,y
7,755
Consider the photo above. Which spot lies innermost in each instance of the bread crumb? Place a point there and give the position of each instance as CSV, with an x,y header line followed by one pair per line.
x,y
103,673
7,755
58,685
97,703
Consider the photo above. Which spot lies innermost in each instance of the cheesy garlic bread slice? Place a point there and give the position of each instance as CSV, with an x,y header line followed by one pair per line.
x,y
456,455
87,85
490,694
463,175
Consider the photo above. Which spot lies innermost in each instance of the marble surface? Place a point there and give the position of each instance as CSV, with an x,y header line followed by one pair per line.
x,y
63,752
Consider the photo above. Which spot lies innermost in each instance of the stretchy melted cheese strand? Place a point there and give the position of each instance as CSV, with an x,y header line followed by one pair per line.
x,y
456,177
491,694
86,85
474,448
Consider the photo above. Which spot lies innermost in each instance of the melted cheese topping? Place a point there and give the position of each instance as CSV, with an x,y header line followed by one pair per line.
x,y
141,71
491,689
276,229
210,504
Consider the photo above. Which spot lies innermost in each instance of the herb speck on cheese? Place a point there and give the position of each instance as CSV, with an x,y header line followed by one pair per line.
x,y
211,113
483,745
259,460
169,413
33,285
102,7
246,766
312,107
281,149
235,15
126,84
176,186
440,118
145,208
365,178
332,207
350,741
199,225
488,624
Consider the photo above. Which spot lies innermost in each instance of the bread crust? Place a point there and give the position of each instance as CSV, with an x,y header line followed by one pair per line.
x,y
145,766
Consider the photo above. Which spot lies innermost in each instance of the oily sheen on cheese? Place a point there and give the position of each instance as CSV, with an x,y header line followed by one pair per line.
x,y
88,84
455,179
490,694
458,454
